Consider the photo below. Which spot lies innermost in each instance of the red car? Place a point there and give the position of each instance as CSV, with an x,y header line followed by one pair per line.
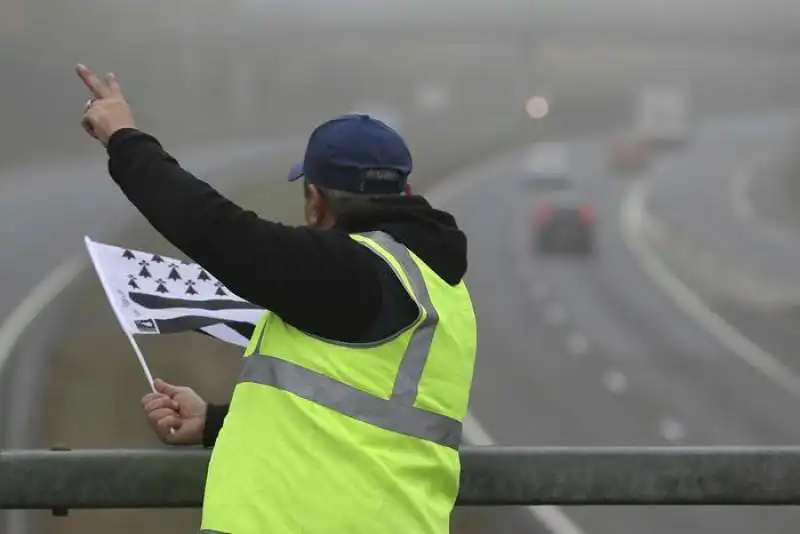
x,y
563,221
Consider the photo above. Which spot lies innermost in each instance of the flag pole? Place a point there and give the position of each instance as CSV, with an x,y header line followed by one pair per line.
x,y
142,362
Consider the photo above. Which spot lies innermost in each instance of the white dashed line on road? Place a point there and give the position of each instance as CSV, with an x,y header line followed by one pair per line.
x,y
552,517
555,315
577,344
672,430
615,382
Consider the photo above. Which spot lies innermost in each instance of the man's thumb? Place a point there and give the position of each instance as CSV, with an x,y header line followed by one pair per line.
x,y
165,387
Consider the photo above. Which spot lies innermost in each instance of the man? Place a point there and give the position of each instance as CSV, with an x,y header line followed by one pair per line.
x,y
347,415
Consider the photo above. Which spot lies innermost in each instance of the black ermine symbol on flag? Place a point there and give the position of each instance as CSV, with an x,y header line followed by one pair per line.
x,y
161,286
220,290
190,288
145,273
132,282
203,276
157,259
128,255
174,275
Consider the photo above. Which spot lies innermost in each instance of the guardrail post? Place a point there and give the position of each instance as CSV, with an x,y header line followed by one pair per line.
x,y
60,511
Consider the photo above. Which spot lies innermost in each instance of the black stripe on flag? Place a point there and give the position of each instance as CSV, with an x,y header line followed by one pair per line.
x,y
245,329
157,302
187,323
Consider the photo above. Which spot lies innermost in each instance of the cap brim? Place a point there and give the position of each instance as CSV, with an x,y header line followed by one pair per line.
x,y
296,172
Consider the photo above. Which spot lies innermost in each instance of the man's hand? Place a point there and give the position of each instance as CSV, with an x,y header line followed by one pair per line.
x,y
177,414
107,111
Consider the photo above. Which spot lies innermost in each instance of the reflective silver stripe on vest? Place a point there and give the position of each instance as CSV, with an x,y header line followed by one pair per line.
x,y
397,413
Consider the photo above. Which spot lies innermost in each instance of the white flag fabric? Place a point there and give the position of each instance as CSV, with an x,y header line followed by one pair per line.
x,y
154,294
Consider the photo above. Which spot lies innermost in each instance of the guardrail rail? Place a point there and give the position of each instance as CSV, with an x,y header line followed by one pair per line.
x,y
60,480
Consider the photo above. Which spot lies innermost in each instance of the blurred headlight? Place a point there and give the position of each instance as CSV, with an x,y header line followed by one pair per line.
x,y
537,107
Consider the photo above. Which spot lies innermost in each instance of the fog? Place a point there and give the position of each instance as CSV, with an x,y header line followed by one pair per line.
x,y
42,39
472,85
676,14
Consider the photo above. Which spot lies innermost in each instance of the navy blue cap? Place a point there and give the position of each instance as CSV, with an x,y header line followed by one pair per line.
x,y
355,153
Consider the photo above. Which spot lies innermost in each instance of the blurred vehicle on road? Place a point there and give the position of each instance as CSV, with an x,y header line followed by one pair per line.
x,y
545,161
563,219
663,115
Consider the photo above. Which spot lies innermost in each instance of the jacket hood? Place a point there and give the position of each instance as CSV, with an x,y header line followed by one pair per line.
x,y
432,234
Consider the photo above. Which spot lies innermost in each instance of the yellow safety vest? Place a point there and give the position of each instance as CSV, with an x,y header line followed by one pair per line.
x,y
328,437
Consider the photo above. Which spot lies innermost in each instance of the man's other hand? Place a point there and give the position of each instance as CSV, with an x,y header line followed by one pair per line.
x,y
107,111
176,413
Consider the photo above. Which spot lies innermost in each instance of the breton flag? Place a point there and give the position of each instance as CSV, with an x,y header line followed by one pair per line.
x,y
154,294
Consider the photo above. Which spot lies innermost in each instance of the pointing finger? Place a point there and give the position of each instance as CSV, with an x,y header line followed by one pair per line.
x,y
112,84
92,82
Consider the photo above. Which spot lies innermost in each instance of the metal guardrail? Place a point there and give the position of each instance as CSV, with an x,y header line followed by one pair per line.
x,y
102,479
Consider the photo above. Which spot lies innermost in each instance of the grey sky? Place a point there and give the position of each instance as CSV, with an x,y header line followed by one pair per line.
x,y
711,12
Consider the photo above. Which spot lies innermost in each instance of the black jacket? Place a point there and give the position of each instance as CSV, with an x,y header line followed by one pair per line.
x,y
322,282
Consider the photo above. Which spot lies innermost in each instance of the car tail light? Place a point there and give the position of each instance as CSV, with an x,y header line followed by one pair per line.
x,y
588,213
543,213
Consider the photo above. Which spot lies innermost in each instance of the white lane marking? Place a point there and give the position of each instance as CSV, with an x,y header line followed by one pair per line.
x,y
67,272
672,430
615,382
35,302
553,518
740,186
577,345
555,315
632,217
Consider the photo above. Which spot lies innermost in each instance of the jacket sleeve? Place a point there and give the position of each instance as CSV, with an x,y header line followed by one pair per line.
x,y
305,276
215,416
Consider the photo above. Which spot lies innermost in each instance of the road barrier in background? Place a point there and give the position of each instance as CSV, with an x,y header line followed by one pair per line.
x,y
60,480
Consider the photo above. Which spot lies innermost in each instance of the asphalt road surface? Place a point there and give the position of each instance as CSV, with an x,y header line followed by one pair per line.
x,y
706,192
593,352
46,208
723,196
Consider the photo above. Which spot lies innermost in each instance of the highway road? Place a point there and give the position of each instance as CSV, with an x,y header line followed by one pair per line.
x,y
706,192
595,352
46,209
725,199
572,352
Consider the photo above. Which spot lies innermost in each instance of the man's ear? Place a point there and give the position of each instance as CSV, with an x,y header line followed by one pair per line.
x,y
407,190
